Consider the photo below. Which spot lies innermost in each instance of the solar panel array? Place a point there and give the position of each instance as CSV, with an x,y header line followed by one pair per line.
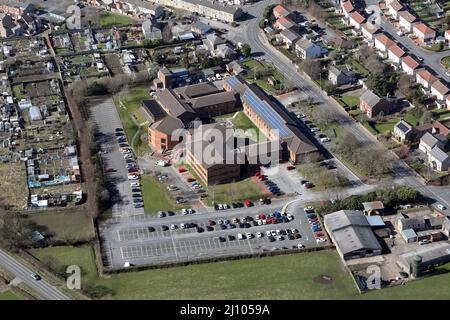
x,y
402,127
265,111
232,81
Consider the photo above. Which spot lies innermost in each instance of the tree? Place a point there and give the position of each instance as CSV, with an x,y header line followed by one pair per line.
x,y
158,57
246,50
328,87
312,68
427,117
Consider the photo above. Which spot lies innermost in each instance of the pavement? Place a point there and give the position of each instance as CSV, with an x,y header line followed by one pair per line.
x,y
430,58
131,240
41,287
105,116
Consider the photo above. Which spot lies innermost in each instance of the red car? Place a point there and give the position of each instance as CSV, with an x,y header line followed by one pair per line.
x,y
190,179
262,216
290,168
257,174
248,203
110,169
211,222
181,169
319,234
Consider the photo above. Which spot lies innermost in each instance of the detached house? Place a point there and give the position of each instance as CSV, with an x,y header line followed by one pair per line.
x,y
407,20
372,105
382,42
425,78
438,159
340,76
402,131
395,54
440,91
356,20
430,141
409,65
305,48
423,32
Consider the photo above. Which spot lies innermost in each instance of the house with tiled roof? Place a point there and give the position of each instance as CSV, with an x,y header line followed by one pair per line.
x,y
356,20
289,37
407,20
284,23
440,91
373,105
347,7
423,32
395,54
425,78
394,8
409,65
280,11
382,42
369,30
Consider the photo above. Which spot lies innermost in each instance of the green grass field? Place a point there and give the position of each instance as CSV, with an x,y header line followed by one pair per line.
x,y
411,119
155,195
350,101
254,65
441,114
10,295
241,121
65,225
382,127
291,277
358,67
132,101
112,19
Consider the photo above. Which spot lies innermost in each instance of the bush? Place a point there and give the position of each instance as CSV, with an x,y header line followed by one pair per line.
x,y
97,292
390,198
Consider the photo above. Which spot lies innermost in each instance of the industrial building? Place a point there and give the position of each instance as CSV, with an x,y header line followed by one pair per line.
x,y
417,262
352,234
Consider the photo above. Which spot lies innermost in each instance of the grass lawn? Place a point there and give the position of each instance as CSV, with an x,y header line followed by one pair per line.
x,y
239,279
10,295
235,191
13,187
65,225
17,93
350,101
241,121
254,66
112,19
359,68
224,280
446,62
441,114
155,195
132,101
382,127
231,192
411,119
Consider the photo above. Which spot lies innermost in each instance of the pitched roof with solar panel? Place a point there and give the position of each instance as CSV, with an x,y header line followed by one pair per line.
x,y
266,112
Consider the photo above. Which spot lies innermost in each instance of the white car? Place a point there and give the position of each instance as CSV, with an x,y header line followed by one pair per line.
x,y
218,77
220,206
300,246
259,235
240,236
161,163
250,235
182,226
133,177
135,184
268,233
264,221
325,139
400,33
273,232
290,217
318,240
184,211
219,221
293,230
309,209
259,222
440,206
422,242
173,227
190,211
225,206
280,238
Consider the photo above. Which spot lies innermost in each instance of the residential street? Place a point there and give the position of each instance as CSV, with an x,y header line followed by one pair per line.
x,y
254,36
42,287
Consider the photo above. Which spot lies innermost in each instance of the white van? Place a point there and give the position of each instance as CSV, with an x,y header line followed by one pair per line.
x,y
161,163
